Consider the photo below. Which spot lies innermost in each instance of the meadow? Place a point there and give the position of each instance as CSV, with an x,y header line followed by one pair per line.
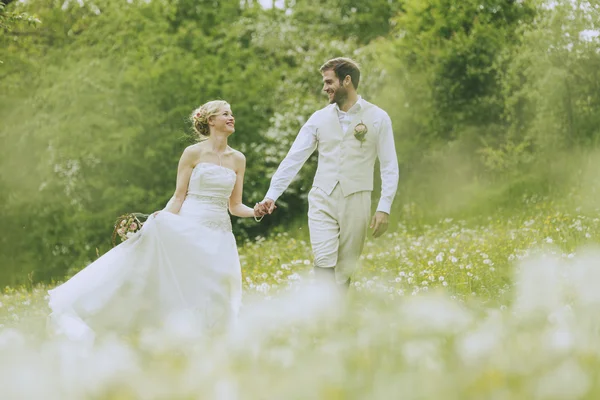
x,y
493,307
486,285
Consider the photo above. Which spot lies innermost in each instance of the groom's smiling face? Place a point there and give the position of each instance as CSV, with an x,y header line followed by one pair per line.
x,y
336,92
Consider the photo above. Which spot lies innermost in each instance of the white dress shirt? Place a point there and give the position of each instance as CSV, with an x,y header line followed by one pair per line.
x,y
307,142
345,117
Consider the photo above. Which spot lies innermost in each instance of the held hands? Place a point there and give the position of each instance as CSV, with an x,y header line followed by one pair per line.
x,y
259,211
263,208
379,223
267,206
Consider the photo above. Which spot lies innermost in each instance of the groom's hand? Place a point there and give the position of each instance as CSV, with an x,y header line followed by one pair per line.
x,y
269,205
259,210
379,223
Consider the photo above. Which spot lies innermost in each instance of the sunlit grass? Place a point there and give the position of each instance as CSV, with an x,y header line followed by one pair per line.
x,y
487,308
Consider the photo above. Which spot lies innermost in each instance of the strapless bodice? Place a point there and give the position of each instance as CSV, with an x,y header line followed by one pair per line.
x,y
211,180
208,195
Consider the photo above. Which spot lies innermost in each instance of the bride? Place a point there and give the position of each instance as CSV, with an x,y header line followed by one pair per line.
x,y
183,264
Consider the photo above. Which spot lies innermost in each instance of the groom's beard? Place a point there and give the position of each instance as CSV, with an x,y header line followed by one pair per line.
x,y
339,96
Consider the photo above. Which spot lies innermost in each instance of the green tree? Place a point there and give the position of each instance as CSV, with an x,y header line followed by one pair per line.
x,y
8,19
449,55
360,20
553,79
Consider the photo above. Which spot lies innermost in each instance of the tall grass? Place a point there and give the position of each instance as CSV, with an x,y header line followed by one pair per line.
x,y
501,307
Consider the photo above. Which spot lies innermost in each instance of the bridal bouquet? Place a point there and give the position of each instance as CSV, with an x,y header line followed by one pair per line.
x,y
127,225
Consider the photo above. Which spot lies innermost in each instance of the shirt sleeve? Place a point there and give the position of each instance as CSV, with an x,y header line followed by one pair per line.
x,y
302,148
386,152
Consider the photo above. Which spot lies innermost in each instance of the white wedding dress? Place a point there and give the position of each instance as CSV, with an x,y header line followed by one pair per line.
x,y
182,267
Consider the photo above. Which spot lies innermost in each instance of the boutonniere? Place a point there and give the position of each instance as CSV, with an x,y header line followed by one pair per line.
x,y
360,131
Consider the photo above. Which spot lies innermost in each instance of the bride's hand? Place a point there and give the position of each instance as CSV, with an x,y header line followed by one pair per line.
x,y
259,210
268,206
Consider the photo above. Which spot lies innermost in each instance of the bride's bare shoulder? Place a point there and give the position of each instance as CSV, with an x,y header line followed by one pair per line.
x,y
239,159
192,153
238,155
195,149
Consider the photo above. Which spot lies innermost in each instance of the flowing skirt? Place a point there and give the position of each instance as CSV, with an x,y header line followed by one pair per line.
x,y
176,267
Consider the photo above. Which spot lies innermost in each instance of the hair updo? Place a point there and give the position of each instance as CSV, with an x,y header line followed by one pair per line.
x,y
202,114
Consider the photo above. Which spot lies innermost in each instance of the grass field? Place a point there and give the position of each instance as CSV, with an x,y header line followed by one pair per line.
x,y
493,308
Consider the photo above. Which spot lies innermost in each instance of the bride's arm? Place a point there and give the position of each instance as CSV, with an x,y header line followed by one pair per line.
x,y
236,207
184,171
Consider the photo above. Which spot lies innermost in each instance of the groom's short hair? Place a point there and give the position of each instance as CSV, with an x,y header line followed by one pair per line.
x,y
342,67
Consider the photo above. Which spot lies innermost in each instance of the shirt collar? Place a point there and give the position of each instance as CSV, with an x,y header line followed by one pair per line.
x,y
354,109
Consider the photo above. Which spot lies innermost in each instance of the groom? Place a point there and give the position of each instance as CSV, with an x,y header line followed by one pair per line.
x,y
349,134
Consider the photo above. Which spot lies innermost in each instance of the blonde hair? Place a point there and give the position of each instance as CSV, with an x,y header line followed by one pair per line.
x,y
202,114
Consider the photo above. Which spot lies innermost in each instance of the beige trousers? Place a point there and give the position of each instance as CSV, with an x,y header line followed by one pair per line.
x,y
338,227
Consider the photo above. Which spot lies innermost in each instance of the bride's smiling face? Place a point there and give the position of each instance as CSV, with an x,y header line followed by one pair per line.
x,y
224,121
